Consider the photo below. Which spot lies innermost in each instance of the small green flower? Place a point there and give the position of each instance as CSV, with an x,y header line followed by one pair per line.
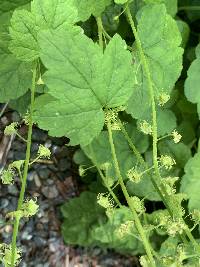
x,y
104,201
138,204
26,118
175,227
144,261
17,214
6,253
195,216
176,136
163,99
44,152
81,171
125,229
167,162
11,129
17,164
7,176
145,127
30,208
133,175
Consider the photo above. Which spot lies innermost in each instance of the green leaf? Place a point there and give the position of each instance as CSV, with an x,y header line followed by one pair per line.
x,y
99,150
144,188
81,215
120,2
86,8
84,81
44,14
190,182
10,5
171,5
180,152
192,91
107,233
184,30
166,121
163,54
15,77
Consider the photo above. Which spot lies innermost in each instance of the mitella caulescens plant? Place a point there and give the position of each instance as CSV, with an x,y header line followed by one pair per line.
x,y
112,99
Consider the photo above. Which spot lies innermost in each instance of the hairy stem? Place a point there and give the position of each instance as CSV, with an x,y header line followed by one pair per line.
x,y
100,31
26,166
138,224
132,146
192,8
157,182
93,159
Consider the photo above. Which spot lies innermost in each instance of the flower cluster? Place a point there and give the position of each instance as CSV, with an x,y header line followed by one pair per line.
x,y
29,209
169,183
133,175
163,99
176,136
176,226
138,204
111,116
167,162
125,229
5,255
44,152
104,201
145,127
11,129
7,176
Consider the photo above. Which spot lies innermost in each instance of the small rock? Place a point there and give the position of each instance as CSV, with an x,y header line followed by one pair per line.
x,y
12,189
50,191
26,235
48,143
44,173
3,203
64,164
40,242
39,135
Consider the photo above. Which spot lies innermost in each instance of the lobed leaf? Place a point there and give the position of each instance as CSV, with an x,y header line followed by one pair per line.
x,y
84,81
25,25
81,214
99,150
15,77
192,91
163,54
86,8
190,182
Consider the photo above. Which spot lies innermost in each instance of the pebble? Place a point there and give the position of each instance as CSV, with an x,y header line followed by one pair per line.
x,y
4,203
39,241
44,173
12,189
50,191
64,164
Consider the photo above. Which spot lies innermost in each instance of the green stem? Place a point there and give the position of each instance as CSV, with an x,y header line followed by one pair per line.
x,y
26,166
157,182
138,224
22,138
192,8
132,146
93,159
100,31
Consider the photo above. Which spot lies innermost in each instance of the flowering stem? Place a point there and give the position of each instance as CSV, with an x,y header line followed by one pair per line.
x,y
22,138
100,31
157,182
93,159
26,166
132,146
138,224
